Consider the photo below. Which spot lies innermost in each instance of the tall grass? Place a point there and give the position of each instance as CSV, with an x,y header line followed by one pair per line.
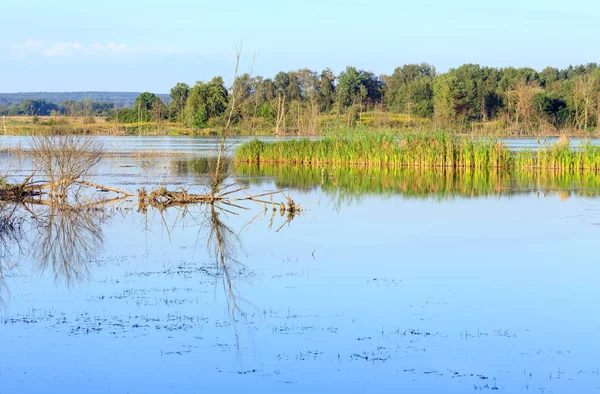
x,y
560,156
439,149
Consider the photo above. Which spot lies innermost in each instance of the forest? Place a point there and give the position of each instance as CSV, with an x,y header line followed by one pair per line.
x,y
121,99
514,100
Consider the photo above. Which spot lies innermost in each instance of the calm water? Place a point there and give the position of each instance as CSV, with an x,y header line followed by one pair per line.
x,y
205,145
390,281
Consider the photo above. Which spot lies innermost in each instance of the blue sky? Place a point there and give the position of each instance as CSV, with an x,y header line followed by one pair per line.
x,y
66,45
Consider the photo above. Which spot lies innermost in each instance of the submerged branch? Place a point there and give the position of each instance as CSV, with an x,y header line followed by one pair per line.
x,y
164,198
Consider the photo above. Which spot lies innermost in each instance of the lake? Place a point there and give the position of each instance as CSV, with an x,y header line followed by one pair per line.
x,y
386,281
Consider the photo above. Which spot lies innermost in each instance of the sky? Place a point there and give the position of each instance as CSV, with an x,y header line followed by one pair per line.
x,y
130,45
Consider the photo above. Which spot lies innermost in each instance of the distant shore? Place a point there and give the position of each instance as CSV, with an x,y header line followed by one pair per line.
x,y
33,125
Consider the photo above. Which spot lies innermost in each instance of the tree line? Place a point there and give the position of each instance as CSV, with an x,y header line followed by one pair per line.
x,y
517,98
121,99
40,107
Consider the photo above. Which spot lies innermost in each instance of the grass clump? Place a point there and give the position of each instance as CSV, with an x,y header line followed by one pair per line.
x,y
382,148
560,156
417,149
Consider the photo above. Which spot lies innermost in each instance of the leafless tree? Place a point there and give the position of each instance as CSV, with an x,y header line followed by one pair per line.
x,y
64,160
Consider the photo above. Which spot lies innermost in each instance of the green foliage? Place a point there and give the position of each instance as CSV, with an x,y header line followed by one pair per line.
x,y
86,108
119,99
550,106
179,95
561,157
148,107
467,93
205,101
145,101
30,107
39,107
358,87
326,90
518,100
442,149
410,89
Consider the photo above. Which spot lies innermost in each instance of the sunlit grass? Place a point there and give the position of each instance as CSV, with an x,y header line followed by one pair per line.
x,y
381,148
418,149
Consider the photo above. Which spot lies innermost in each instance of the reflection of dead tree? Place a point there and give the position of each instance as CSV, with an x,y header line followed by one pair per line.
x,y
220,197
223,243
11,235
10,229
291,210
68,238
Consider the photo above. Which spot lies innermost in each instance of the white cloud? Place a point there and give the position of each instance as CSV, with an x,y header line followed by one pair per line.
x,y
57,49
29,46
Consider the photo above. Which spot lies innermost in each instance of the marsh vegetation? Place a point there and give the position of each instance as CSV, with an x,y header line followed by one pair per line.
x,y
440,149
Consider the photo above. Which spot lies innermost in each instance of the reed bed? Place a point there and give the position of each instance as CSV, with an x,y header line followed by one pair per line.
x,y
560,156
439,149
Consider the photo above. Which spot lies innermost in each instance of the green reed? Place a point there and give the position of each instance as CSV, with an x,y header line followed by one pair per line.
x,y
560,156
439,149
381,148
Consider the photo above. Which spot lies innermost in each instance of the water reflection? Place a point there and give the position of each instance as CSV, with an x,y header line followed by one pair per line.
x,y
223,243
62,240
57,238
354,183
66,238
11,235
328,310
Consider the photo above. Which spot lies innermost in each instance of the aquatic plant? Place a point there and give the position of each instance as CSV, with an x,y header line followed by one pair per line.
x,y
560,156
439,149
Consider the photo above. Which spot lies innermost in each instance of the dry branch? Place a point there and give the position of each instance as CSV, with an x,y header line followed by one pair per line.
x,y
164,198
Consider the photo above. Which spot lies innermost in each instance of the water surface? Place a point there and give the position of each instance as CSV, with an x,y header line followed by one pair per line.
x,y
390,281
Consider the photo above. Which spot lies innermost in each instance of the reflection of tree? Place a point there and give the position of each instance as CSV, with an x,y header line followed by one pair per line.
x,y
223,244
11,235
222,241
59,237
68,237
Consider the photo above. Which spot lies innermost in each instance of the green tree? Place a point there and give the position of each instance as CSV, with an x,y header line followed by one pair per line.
x,y
205,101
467,93
326,90
358,87
179,94
410,89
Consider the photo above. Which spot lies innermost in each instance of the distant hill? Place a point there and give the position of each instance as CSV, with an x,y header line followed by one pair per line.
x,y
122,99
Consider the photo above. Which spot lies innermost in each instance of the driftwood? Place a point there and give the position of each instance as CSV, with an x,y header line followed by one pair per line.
x,y
232,195
16,192
30,192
